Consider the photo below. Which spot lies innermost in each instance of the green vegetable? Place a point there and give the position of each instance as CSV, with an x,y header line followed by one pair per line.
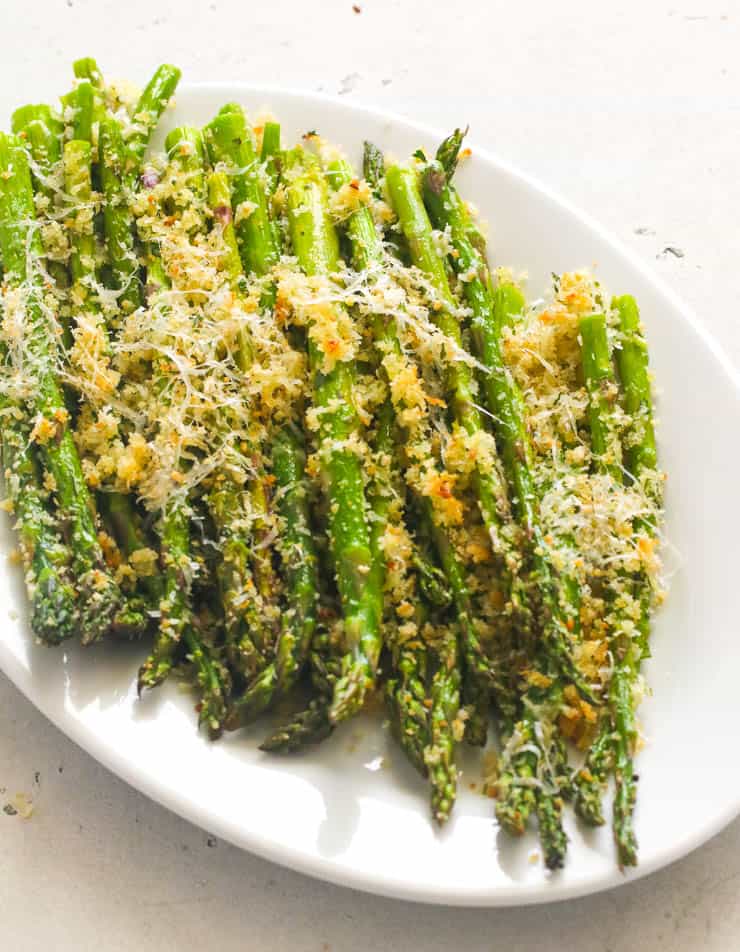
x,y
99,595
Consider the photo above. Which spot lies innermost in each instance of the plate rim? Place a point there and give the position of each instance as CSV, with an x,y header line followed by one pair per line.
x,y
323,868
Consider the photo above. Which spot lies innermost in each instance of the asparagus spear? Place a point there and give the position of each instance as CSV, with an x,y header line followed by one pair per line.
x,y
406,198
46,558
619,731
558,593
245,635
152,103
299,564
174,536
99,594
42,131
440,754
116,168
126,527
87,68
120,163
313,724
367,251
230,141
115,176
315,244
640,453
78,184
119,169
405,691
77,158
299,557
79,111
230,144
177,623
288,457
309,726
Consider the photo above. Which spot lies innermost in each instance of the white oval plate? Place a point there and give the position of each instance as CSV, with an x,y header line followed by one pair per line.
x,y
352,811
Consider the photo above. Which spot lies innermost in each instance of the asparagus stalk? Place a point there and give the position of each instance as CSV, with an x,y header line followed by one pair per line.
x,y
406,694
288,458
309,726
117,173
118,222
367,251
79,111
641,458
87,68
620,729
316,246
476,670
406,689
313,724
77,157
125,526
245,635
42,131
46,557
236,583
20,243
640,451
270,155
120,163
78,184
403,187
152,103
230,141
177,623
230,145
491,311
300,567
440,754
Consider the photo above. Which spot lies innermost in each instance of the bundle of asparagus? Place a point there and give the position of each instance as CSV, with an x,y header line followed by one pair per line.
x,y
284,420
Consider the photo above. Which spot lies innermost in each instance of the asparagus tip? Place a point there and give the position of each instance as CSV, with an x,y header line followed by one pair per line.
x,y
152,673
258,696
100,599
53,615
514,809
553,839
307,727
349,694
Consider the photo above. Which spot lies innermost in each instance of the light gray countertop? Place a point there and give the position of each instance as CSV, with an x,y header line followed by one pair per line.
x,y
632,111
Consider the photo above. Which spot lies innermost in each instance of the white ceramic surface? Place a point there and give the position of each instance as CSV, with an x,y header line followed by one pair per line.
x,y
352,811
